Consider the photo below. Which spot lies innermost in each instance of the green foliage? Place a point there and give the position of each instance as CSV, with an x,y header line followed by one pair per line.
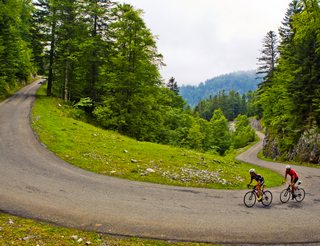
x,y
15,54
231,104
131,101
21,231
84,102
244,133
109,153
177,125
267,60
220,139
173,86
195,137
101,57
290,103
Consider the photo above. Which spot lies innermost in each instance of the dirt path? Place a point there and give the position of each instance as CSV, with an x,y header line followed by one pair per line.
x,y
35,183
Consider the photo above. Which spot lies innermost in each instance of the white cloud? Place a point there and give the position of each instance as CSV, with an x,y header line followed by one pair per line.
x,y
200,39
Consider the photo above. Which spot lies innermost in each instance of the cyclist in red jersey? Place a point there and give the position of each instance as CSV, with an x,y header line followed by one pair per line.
x,y
294,178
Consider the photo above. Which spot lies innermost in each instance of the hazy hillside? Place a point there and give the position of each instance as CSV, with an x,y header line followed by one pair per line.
x,y
241,82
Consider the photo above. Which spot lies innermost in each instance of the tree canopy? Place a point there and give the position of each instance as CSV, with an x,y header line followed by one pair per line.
x,y
291,102
16,57
100,56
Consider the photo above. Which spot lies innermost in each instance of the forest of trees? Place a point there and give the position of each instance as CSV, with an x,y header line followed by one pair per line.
x,y
290,91
241,82
100,56
16,61
231,104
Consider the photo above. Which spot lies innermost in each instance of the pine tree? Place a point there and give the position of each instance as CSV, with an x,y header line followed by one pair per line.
x,y
45,21
286,31
290,102
96,49
268,59
172,85
306,62
71,39
131,78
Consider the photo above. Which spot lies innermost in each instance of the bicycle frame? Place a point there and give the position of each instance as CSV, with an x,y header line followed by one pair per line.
x,y
294,185
299,193
250,196
254,188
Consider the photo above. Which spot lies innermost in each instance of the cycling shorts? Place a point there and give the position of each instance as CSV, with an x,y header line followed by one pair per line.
x,y
261,182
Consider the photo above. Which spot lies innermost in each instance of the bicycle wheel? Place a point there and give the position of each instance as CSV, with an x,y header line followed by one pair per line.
x,y
285,195
300,194
249,199
266,198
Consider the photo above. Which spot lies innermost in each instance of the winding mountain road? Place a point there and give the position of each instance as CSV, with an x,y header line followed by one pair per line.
x,y
34,183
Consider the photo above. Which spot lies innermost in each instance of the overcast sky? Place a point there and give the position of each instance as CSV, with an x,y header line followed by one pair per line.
x,y
201,39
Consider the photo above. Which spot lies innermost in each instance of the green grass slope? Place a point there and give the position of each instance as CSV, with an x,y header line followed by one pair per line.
x,y
109,153
20,231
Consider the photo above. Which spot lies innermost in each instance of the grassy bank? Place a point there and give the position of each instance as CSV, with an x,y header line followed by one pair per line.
x,y
107,152
19,231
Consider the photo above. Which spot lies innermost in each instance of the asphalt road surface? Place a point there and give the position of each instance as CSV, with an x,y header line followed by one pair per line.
x,y
34,183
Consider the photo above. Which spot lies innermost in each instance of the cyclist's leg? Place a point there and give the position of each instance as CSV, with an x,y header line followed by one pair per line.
x,y
293,187
259,190
293,184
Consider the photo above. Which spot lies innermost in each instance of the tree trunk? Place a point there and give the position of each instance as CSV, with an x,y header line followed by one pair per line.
x,y
94,68
51,58
66,81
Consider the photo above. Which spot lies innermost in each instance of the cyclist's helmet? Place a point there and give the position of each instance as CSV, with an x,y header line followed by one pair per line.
x,y
251,170
288,167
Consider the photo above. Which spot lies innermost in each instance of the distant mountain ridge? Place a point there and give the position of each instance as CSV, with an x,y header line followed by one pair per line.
x,y
241,81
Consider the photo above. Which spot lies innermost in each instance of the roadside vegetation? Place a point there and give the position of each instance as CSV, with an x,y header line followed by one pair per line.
x,y
13,88
297,163
110,153
289,93
20,231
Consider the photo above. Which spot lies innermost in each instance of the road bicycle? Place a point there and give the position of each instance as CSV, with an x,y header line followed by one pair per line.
x,y
250,197
299,193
